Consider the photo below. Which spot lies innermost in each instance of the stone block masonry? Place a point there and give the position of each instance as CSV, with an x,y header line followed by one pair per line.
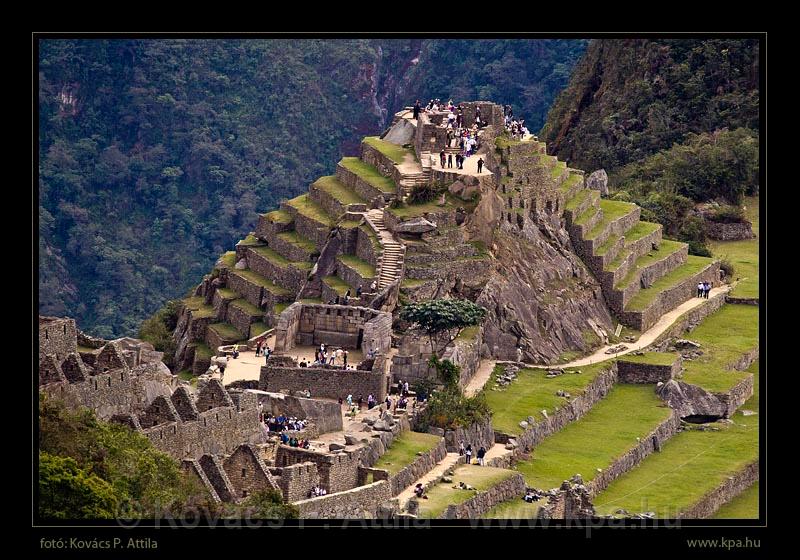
x,y
421,465
325,382
57,336
637,372
358,503
724,493
511,488
337,472
247,472
729,232
296,481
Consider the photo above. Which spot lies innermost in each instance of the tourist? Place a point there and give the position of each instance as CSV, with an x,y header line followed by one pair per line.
x,y
480,165
344,357
405,388
442,158
235,351
347,294
370,402
373,286
358,291
700,289
468,453
461,449
258,348
419,491
530,496
481,455
450,161
706,289
349,400
341,401
360,402
388,402
417,109
332,359
267,353
339,354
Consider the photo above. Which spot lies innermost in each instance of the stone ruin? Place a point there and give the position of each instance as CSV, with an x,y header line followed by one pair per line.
x,y
571,501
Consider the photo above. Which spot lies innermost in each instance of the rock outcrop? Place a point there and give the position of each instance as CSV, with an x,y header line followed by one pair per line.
x,y
690,400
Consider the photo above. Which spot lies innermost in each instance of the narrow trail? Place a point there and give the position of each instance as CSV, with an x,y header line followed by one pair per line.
x,y
646,339
434,474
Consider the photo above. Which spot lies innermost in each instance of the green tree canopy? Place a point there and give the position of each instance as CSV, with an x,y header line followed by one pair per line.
x,y
442,320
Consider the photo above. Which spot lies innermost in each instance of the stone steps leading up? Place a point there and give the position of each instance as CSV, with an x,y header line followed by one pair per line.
x,y
391,264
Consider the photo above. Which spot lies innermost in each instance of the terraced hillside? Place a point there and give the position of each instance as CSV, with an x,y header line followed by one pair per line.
x,y
642,275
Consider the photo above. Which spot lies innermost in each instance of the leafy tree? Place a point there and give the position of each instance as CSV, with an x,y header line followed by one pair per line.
x,y
267,504
68,492
446,370
448,408
157,330
442,320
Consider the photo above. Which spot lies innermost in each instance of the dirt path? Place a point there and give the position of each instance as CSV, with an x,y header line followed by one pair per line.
x,y
647,338
480,378
434,474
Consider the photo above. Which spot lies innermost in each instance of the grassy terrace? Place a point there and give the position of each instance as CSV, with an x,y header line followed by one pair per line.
x,y
198,307
250,240
331,185
202,351
413,210
665,249
690,464
606,432
616,263
336,283
502,142
558,169
443,494
394,152
607,244
412,283
645,297
612,210
364,269
651,358
279,260
579,197
586,215
514,509
743,506
279,308
403,450
571,181
639,230
468,333
279,217
227,294
724,336
257,329
228,259
310,209
247,307
743,254
227,331
369,173
298,240
533,392
266,283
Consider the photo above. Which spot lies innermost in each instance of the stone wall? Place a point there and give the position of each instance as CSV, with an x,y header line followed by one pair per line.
x,y
287,327
466,354
635,372
724,493
327,416
328,383
384,165
569,412
509,489
737,396
691,319
337,471
57,336
247,472
647,445
296,481
729,232
361,502
267,230
365,249
291,251
241,318
285,275
248,290
477,435
671,298
643,278
421,465
361,187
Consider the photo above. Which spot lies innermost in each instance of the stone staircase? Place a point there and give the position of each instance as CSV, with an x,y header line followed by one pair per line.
x,y
390,267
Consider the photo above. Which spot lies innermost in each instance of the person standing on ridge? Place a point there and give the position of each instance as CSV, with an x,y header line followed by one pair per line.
x,y
417,109
450,161
480,165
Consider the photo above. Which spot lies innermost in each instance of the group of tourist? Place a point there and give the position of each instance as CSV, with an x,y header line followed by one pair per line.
x,y
466,451
516,128
329,356
294,442
345,299
263,348
282,423
317,491
458,135
703,288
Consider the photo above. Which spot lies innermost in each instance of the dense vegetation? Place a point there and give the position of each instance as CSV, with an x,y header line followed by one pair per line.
x,y
90,469
155,156
673,122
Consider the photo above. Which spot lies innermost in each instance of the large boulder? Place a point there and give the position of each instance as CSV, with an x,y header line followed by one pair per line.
x,y
415,225
401,133
465,188
690,400
598,181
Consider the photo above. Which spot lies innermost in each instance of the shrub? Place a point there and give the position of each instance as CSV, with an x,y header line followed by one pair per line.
x,y
698,249
448,408
727,267
727,215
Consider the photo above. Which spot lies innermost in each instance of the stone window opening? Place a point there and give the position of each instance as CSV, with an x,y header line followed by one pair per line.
x,y
109,381
122,376
46,335
244,473
244,493
161,434
217,416
95,384
230,414
204,422
65,328
174,429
